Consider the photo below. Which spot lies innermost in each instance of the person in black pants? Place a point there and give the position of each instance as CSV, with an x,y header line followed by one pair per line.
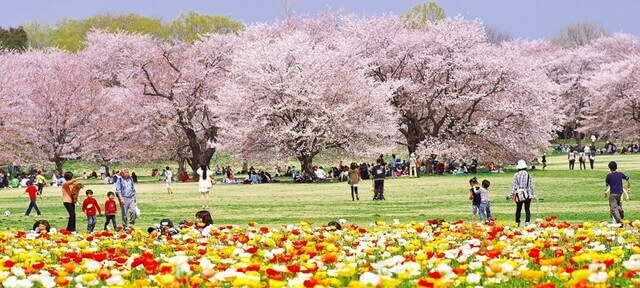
x,y
522,192
378,172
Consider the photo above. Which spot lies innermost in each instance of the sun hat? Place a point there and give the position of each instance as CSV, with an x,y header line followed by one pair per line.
x,y
521,165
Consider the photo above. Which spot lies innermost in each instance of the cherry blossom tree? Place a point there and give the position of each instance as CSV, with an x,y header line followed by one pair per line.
x,y
462,96
614,112
52,106
298,90
572,71
172,80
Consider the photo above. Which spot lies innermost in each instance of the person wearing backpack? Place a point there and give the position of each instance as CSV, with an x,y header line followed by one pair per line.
x,y
522,192
378,172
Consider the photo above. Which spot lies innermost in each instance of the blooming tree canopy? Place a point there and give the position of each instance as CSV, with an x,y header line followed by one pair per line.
x,y
173,81
615,88
300,93
53,108
461,96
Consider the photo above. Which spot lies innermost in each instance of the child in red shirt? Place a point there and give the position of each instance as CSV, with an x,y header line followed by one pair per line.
x,y
110,209
89,207
32,191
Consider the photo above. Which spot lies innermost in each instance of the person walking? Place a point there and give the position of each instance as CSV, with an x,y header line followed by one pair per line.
x,y
484,210
110,210
40,182
70,198
378,172
582,160
126,192
353,180
614,191
204,184
544,160
572,159
32,191
168,179
90,206
413,165
592,155
474,196
522,192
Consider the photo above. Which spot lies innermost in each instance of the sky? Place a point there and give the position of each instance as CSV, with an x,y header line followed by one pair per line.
x,y
525,19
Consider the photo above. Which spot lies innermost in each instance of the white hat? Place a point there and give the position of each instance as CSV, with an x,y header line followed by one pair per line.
x,y
521,165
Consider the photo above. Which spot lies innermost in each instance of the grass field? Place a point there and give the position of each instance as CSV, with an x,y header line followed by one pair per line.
x,y
571,195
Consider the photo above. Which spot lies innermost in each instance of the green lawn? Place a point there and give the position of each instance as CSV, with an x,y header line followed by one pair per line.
x,y
572,195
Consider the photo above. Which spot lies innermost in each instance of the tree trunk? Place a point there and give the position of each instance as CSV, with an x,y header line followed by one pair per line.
x,y
245,167
105,163
413,133
306,163
578,137
59,163
200,154
181,165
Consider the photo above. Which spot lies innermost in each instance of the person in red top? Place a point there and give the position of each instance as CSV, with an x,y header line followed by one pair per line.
x,y
32,191
89,207
110,209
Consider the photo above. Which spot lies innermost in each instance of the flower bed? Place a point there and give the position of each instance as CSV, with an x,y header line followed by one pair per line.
x,y
423,254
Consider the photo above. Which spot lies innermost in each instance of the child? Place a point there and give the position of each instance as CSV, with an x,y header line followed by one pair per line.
x,y
353,181
41,227
204,223
485,203
615,190
89,207
110,209
32,191
168,178
474,196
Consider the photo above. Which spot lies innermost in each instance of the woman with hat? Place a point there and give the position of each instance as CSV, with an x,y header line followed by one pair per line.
x,y
522,192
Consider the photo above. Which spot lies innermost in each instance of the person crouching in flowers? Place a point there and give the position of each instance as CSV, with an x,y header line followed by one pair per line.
x,y
204,223
41,227
89,207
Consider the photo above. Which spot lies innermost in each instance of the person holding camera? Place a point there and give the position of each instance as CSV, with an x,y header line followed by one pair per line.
x,y
522,192
164,228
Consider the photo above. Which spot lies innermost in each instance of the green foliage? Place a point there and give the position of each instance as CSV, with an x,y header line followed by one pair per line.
x,y
70,34
425,13
575,196
189,27
13,39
